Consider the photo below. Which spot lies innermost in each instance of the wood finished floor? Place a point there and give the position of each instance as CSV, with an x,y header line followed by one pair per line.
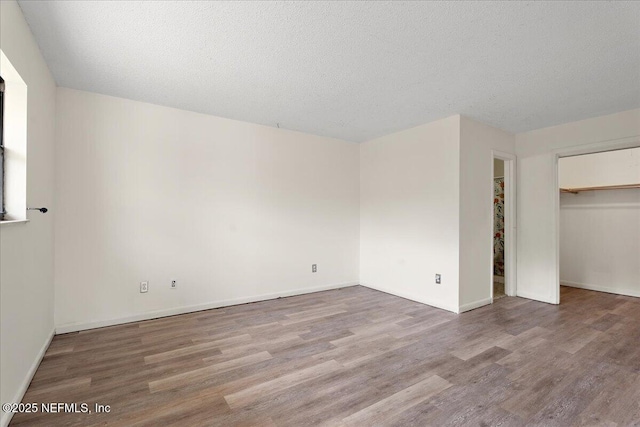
x,y
498,290
358,357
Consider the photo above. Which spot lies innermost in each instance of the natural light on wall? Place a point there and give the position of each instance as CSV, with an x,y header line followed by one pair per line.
x,y
15,142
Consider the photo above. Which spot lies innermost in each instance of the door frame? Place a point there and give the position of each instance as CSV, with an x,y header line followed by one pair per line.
x,y
510,215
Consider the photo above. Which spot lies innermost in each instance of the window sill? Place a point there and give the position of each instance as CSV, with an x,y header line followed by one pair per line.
x,y
14,221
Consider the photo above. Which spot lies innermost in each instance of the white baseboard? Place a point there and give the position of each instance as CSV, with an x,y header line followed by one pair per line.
x,y
6,416
74,327
535,297
411,297
475,304
627,292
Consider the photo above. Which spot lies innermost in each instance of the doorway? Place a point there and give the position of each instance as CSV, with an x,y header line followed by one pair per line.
x,y
503,243
498,230
599,222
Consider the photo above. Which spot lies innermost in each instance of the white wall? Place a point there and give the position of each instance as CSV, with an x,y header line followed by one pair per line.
x,y
619,167
537,151
233,211
477,141
498,167
409,213
26,249
600,230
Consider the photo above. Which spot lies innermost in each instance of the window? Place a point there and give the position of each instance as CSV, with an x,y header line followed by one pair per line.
x,y
1,148
13,176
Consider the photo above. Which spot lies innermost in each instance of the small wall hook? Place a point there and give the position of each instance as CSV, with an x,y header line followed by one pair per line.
x,y
42,210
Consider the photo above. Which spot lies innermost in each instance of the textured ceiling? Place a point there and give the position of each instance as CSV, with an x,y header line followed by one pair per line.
x,y
351,70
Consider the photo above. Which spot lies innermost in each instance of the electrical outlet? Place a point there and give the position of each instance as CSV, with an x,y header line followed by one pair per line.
x,y
314,268
173,284
438,280
144,287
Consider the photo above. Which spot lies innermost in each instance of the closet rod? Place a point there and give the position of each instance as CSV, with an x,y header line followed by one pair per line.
x,y
604,187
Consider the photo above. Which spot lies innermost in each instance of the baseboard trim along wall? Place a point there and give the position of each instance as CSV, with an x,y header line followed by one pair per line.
x,y
6,416
411,297
476,304
74,327
627,292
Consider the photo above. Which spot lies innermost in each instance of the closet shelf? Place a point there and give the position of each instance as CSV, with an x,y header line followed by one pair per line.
x,y
604,187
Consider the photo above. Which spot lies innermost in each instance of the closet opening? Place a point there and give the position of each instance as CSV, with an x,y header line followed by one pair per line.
x,y
599,223
503,243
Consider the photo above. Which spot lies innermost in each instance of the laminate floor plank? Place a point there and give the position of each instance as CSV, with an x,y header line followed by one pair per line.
x,y
387,409
354,356
244,397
